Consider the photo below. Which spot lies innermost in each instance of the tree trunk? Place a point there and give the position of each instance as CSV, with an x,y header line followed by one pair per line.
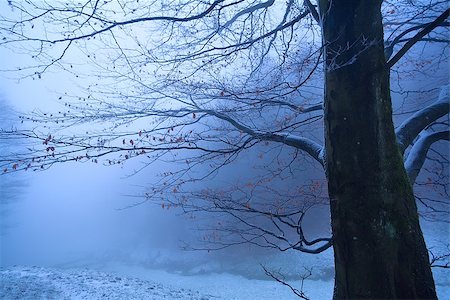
x,y
378,244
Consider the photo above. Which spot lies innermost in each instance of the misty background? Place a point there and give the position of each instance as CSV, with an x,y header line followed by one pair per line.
x,y
78,213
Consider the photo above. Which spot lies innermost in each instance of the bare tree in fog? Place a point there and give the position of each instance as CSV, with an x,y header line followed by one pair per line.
x,y
199,83
11,185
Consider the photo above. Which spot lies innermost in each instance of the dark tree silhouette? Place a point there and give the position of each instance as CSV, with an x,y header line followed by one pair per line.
x,y
198,83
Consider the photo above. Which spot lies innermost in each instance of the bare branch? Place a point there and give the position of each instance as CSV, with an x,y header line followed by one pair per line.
x,y
278,278
204,13
417,37
248,10
399,38
440,260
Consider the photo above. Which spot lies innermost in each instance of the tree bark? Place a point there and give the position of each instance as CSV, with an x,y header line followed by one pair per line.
x,y
378,245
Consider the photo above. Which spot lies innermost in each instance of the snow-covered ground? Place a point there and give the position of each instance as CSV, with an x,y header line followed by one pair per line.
x,y
121,281
20,282
127,282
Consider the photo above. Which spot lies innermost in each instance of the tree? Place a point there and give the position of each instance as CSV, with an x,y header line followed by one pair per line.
x,y
220,78
374,214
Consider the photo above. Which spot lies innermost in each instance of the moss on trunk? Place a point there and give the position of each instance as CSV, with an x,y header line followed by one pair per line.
x,y
378,244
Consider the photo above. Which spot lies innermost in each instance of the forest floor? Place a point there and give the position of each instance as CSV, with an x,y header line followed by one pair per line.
x,y
122,281
128,282
179,276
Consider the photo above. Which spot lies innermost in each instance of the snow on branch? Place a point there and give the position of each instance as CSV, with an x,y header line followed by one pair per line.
x,y
412,126
418,152
307,145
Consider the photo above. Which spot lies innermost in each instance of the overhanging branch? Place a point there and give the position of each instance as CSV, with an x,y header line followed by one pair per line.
x,y
301,143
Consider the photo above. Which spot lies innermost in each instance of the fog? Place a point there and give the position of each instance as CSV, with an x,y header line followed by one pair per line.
x,y
75,211
79,213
